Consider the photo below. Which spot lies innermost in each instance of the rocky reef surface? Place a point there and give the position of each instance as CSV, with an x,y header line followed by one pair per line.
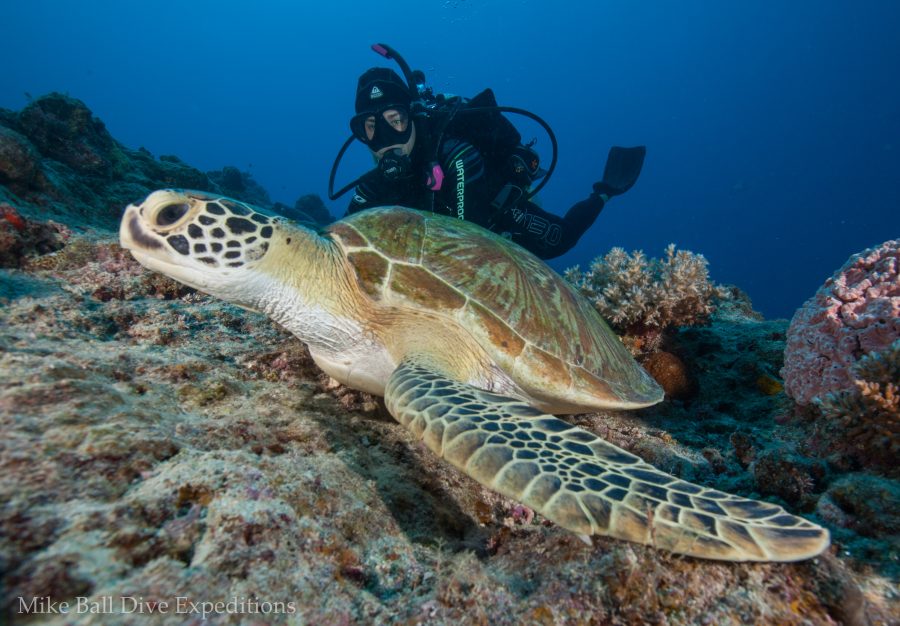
x,y
168,458
58,161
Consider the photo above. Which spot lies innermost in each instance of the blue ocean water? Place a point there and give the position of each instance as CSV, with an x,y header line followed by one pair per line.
x,y
773,130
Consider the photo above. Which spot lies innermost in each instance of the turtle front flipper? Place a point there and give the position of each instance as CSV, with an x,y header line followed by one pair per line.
x,y
583,483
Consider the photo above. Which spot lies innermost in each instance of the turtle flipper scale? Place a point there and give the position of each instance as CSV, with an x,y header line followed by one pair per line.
x,y
584,483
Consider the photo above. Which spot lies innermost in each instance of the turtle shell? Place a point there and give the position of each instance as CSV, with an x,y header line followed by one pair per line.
x,y
544,334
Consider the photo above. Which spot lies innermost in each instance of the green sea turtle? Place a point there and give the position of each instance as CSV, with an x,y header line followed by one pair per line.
x,y
474,344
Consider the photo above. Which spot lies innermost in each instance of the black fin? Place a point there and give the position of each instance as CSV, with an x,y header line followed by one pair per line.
x,y
623,166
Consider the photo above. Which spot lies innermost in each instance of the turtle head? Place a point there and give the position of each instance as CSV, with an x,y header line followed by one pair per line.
x,y
205,241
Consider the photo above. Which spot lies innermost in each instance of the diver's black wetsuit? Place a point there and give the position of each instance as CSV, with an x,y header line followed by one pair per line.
x,y
470,191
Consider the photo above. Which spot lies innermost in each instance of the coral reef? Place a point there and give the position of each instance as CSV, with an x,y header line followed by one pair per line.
x,y
868,504
160,445
862,424
740,433
58,161
637,295
842,363
646,299
856,311
21,238
18,158
64,130
671,374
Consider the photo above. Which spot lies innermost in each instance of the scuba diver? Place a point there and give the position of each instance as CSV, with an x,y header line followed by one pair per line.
x,y
462,158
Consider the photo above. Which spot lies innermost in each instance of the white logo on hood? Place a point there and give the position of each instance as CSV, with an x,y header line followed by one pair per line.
x,y
376,93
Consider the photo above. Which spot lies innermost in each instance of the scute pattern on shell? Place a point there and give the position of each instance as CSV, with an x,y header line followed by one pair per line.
x,y
510,298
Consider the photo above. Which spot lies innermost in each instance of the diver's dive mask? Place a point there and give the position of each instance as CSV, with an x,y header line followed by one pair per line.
x,y
389,125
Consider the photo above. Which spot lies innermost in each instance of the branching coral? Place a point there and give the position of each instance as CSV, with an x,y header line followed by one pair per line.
x,y
864,421
634,293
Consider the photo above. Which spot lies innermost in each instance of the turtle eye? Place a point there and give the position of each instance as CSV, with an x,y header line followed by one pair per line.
x,y
171,213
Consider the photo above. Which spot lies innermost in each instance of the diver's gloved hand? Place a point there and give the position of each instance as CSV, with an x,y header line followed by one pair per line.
x,y
623,166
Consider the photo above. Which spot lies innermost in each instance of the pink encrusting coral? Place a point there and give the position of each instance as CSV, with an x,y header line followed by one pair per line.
x,y
856,312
